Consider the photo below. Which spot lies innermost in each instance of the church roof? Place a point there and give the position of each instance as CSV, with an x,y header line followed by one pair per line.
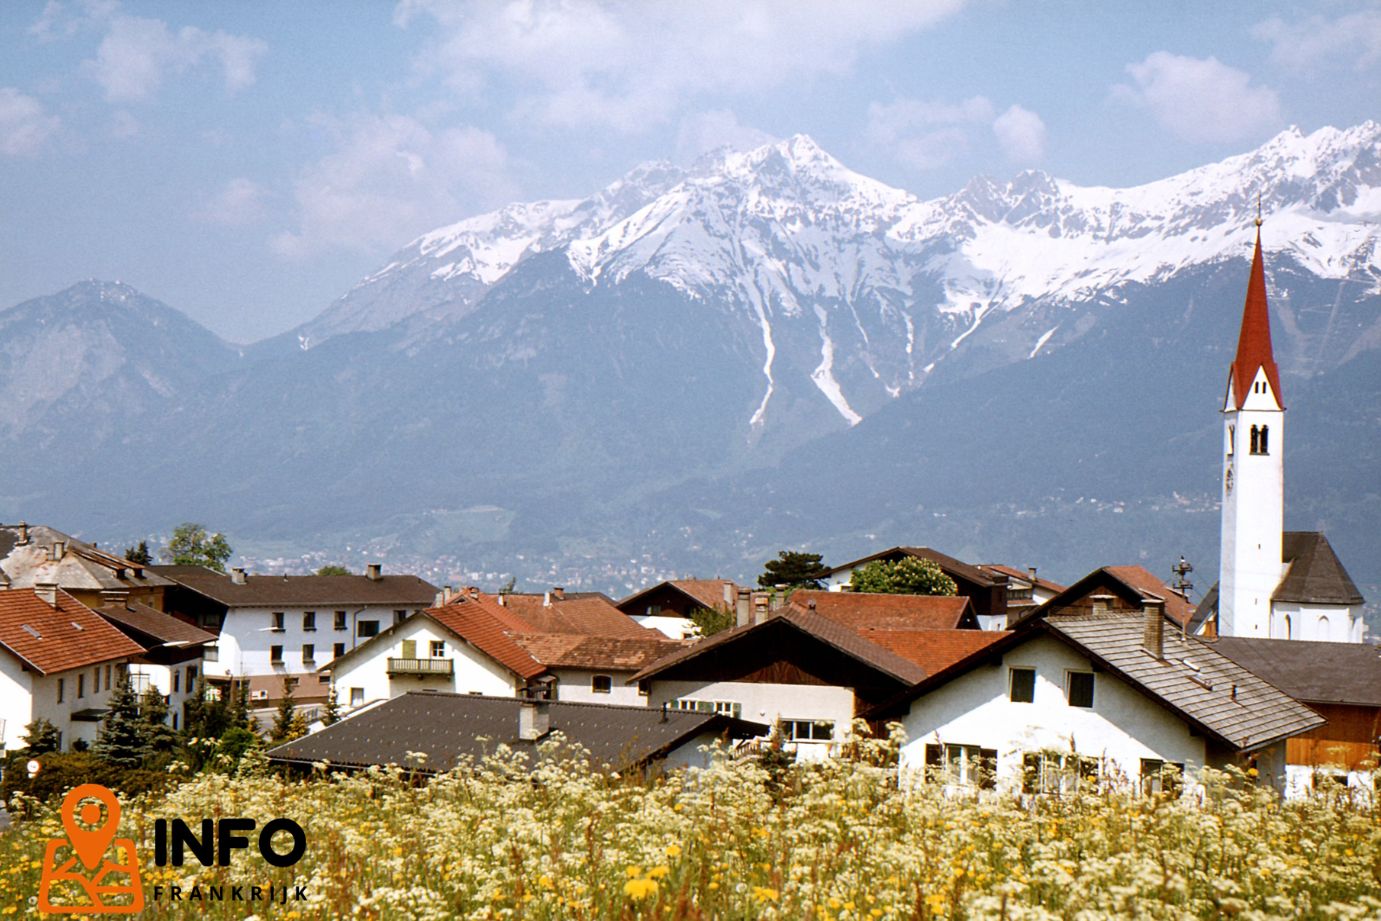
x,y
1315,574
1325,673
1254,341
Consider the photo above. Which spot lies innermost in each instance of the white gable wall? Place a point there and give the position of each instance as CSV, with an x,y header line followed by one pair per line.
x,y
1332,623
770,703
577,684
1123,726
26,696
247,637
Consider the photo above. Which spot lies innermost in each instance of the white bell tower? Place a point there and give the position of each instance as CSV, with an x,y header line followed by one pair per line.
x,y
1253,472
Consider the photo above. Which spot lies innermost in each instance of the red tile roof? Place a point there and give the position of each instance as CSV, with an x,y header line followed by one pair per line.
x,y
588,615
1177,607
934,650
1254,342
612,653
859,610
56,639
472,620
1025,576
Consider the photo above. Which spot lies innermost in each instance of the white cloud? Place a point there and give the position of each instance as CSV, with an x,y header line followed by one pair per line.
x,y
626,65
24,125
390,178
1201,99
239,202
136,55
928,134
1021,134
64,20
706,131
1354,38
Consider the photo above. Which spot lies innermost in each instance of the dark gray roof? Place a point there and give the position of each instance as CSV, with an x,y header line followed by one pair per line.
x,y
153,627
297,591
1332,673
1315,574
1193,678
452,727
1206,611
832,633
949,564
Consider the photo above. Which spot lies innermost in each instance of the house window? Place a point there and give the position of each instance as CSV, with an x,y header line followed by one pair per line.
x,y
309,620
308,653
338,650
276,655
177,683
339,620
174,720
409,649
107,677
1161,776
96,680
211,653
191,676
62,689
356,696
367,628
601,684
1265,439
438,649
399,616
722,707
1058,772
808,730
277,622
970,765
1022,685
1079,689
1232,438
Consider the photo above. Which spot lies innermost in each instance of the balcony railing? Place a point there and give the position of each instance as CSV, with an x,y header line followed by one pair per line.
x,y
420,666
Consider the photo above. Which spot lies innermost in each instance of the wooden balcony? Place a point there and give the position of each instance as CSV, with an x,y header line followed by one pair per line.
x,y
420,666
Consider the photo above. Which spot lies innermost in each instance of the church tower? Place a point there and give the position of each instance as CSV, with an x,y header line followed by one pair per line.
x,y
1253,472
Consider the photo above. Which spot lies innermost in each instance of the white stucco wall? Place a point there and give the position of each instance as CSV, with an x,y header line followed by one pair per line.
x,y
769,703
473,671
1123,726
576,684
1331,623
161,676
16,701
27,696
247,636
678,628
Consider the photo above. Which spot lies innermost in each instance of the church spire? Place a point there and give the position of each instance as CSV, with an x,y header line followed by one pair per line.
x,y
1254,342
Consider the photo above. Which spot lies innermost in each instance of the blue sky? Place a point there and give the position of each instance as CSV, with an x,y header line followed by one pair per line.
x,y
248,162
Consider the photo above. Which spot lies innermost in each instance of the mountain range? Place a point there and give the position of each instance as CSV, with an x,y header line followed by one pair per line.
x,y
696,366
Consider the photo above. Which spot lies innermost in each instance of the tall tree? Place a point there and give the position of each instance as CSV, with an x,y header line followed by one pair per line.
x,y
794,569
191,545
712,620
908,576
331,716
287,709
153,708
41,737
123,738
139,554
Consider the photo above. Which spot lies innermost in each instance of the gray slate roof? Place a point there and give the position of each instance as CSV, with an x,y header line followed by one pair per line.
x,y
260,591
83,566
1326,673
1315,574
1202,684
452,727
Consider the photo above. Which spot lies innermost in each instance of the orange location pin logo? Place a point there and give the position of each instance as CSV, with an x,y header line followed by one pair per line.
x,y
90,845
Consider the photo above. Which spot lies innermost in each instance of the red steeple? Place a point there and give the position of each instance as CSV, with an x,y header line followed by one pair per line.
x,y
1254,342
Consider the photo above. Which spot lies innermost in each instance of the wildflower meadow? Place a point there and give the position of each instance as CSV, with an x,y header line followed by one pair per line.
x,y
837,840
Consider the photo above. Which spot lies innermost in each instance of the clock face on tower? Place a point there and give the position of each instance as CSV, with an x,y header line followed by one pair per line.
x,y
1227,481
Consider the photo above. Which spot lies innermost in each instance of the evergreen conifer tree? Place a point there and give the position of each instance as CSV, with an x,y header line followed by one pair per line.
x,y
41,737
123,739
287,709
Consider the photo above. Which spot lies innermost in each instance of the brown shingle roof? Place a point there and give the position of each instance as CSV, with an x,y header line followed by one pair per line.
x,y
1177,607
1135,584
158,627
1013,572
54,640
471,620
1315,574
859,610
708,593
296,591
591,615
946,562
1325,673
934,650
611,653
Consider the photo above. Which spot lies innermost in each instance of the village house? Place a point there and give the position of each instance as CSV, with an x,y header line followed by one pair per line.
x,y
1097,695
985,588
1025,590
809,667
1342,682
431,733
272,629
554,647
59,661
667,606
31,555
172,659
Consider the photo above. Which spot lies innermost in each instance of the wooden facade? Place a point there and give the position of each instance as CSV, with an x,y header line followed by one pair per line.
x,y
1348,741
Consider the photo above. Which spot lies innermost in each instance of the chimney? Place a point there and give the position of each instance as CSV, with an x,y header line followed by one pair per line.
x,y
59,550
237,575
373,572
534,719
559,592
811,604
1031,574
1153,637
730,595
761,606
743,608
778,597
546,599
23,533
475,594
48,591
1100,604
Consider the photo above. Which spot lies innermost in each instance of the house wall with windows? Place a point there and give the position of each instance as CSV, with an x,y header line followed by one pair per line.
x,y
176,681
251,637
25,696
1122,728
803,710
589,686
370,676
1325,623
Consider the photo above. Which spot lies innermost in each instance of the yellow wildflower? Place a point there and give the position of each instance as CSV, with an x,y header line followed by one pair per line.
x,y
658,872
638,889
764,894
634,871
673,850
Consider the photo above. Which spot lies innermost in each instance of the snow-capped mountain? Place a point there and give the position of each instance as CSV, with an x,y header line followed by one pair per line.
x,y
864,289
